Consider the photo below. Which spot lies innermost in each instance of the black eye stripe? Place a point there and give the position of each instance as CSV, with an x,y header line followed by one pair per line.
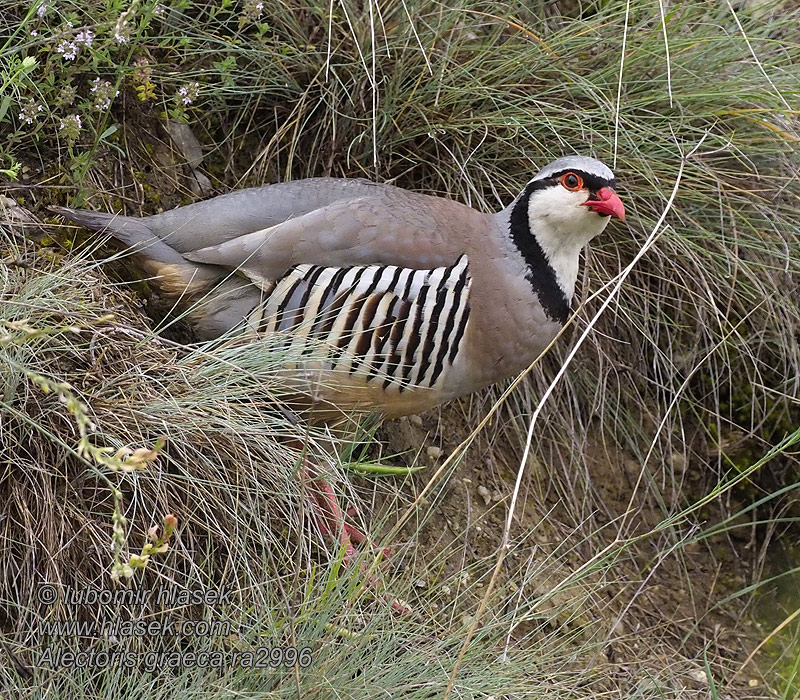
x,y
590,181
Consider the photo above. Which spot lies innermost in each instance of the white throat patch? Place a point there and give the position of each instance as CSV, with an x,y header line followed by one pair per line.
x,y
562,227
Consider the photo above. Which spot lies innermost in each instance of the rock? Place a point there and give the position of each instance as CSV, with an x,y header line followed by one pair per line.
x,y
434,452
699,676
186,142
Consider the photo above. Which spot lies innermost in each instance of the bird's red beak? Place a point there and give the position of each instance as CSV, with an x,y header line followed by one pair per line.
x,y
609,203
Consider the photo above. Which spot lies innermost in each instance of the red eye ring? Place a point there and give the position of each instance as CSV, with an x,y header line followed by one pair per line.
x,y
572,182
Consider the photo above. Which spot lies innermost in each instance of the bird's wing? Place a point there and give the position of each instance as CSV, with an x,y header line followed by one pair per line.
x,y
214,221
393,228
380,328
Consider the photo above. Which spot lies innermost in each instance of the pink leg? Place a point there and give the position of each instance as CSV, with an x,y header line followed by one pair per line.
x,y
359,537
330,520
328,514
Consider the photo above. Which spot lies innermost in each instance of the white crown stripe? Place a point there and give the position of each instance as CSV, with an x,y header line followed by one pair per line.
x,y
590,166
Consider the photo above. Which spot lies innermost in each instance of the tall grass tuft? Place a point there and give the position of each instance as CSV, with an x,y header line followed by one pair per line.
x,y
650,513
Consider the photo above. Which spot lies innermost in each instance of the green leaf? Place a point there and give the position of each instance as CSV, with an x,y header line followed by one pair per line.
x,y
109,131
4,106
375,469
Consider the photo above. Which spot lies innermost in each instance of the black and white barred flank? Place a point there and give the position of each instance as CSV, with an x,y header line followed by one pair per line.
x,y
389,324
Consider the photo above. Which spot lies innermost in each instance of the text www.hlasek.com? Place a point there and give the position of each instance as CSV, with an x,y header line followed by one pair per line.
x,y
263,657
135,628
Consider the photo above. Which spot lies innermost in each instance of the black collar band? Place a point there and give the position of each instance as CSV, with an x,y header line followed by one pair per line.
x,y
540,273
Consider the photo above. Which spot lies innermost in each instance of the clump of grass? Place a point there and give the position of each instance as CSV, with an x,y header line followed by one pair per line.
x,y
227,475
111,395
690,377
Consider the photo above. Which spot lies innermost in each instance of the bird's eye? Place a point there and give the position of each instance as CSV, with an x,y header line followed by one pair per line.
x,y
572,181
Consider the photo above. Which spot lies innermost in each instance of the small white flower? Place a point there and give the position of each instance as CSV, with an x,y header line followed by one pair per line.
x,y
34,32
41,10
67,49
104,93
84,37
253,9
73,121
159,10
122,30
188,93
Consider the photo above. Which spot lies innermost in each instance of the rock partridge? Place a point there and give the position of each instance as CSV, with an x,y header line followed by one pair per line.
x,y
394,301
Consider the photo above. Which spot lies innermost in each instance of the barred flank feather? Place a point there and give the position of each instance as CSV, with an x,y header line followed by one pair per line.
x,y
387,324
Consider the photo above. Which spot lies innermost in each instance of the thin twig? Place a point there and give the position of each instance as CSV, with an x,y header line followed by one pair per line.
x,y
666,48
755,58
619,82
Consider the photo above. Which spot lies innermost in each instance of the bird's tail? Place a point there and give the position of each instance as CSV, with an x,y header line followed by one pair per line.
x,y
215,300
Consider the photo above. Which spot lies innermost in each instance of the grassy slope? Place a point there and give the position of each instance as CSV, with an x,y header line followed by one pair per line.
x,y
691,374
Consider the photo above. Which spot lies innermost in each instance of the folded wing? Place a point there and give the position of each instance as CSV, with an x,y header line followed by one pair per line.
x,y
389,327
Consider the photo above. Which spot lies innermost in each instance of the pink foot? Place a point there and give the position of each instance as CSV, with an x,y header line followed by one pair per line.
x,y
330,521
